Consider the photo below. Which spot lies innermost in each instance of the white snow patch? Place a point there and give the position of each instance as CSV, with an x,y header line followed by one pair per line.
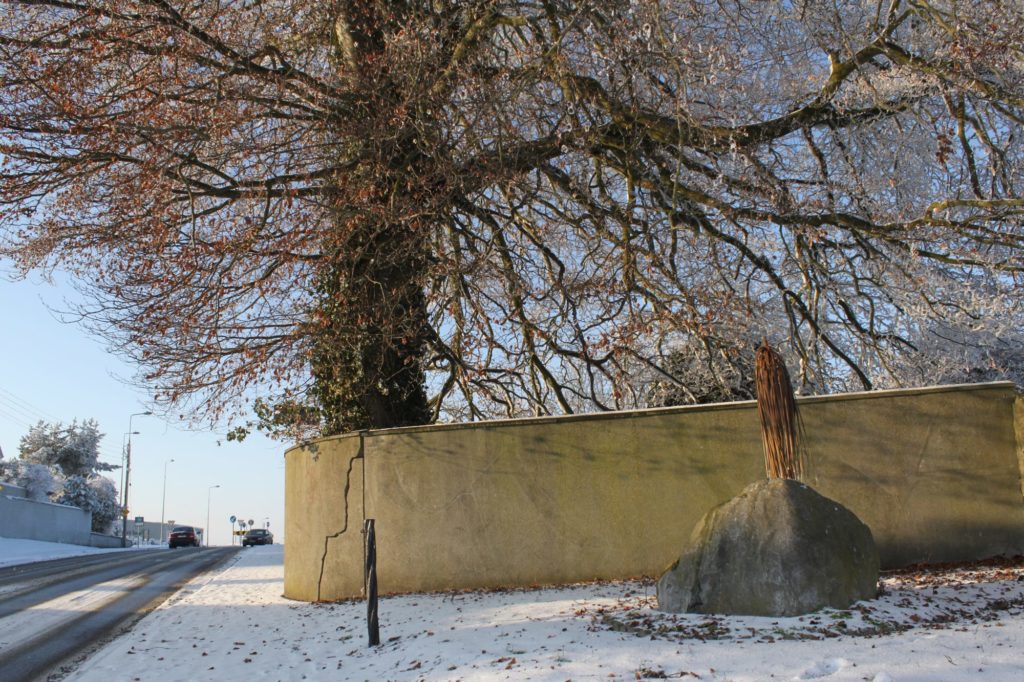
x,y
14,551
824,668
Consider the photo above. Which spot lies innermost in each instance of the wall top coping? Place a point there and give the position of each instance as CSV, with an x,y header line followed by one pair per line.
x,y
11,490
28,500
1007,386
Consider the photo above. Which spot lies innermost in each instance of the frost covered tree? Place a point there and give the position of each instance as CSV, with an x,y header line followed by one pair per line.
x,y
96,494
38,480
383,212
61,464
984,342
73,450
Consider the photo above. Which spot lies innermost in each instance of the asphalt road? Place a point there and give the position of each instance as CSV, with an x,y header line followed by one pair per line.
x,y
52,611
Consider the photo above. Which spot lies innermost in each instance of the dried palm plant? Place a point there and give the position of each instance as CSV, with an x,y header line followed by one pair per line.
x,y
780,421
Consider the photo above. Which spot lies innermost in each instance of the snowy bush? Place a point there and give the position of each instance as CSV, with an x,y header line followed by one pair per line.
x,y
94,494
38,480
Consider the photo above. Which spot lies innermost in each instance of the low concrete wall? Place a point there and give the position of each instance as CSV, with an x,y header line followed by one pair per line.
x,y
27,519
102,540
935,473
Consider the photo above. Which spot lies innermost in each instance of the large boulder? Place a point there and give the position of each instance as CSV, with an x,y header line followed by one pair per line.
x,y
777,549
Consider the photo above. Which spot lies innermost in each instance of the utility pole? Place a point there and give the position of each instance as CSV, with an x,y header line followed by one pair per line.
x,y
127,473
206,532
163,502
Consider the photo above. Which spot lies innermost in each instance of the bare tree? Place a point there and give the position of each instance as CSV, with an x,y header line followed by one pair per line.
x,y
407,209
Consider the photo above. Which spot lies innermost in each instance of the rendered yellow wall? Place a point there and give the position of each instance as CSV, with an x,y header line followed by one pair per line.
x,y
935,473
549,501
323,524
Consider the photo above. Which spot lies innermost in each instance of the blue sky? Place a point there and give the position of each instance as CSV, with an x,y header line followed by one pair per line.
x,y
54,371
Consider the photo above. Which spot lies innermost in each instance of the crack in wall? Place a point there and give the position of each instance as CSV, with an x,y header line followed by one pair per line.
x,y
1017,412
344,528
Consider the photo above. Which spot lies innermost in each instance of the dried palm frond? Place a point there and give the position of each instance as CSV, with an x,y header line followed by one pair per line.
x,y
780,421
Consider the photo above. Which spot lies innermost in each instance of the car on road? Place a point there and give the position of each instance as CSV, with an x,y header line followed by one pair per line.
x,y
183,536
258,536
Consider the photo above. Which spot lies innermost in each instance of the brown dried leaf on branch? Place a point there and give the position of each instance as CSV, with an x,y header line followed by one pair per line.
x,y
375,213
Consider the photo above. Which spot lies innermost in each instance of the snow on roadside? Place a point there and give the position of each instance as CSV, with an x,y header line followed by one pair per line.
x,y
14,551
234,625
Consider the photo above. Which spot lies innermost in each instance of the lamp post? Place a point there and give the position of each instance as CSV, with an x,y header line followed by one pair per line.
x,y
206,532
163,502
127,474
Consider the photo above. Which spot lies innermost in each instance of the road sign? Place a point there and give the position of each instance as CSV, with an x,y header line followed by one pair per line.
x,y
250,522
138,519
233,519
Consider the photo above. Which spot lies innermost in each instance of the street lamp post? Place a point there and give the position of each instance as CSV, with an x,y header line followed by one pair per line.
x,y
127,473
206,532
163,502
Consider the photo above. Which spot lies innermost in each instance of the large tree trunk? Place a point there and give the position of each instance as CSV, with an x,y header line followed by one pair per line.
x,y
369,344
367,360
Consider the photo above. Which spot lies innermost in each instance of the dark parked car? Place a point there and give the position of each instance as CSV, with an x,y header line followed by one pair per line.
x,y
183,536
258,536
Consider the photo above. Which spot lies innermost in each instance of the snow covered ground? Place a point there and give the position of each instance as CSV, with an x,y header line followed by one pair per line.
x,y
16,551
234,625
